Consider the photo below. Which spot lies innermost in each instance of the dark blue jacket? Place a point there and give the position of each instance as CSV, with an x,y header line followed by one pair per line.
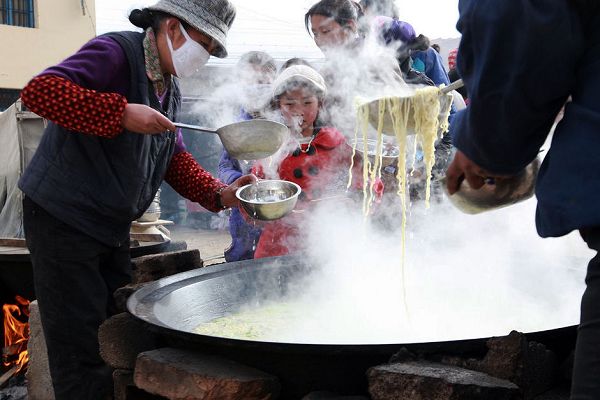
x,y
433,66
520,61
100,185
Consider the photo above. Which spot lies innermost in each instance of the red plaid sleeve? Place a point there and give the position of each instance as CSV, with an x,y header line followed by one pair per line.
x,y
74,107
191,181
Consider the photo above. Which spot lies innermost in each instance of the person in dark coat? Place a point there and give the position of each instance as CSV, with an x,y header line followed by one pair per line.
x,y
512,108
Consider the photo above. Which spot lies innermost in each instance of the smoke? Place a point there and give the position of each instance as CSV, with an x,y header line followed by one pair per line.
x,y
463,277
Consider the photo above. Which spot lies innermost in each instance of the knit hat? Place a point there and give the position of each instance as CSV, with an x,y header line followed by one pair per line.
x,y
211,17
391,30
299,74
452,58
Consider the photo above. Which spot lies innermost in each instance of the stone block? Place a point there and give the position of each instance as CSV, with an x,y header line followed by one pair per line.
x,y
181,374
527,364
423,380
122,379
39,382
155,266
122,294
122,337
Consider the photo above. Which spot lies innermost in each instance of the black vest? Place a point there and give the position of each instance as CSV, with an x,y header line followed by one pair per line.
x,y
99,185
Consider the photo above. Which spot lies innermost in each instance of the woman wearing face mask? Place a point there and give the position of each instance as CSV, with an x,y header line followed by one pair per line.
x,y
109,145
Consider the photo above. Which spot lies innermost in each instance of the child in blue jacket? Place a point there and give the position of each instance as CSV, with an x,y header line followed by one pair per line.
x,y
256,71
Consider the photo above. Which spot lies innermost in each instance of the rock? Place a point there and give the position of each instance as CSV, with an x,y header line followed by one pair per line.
x,y
123,379
122,294
122,337
423,380
39,382
527,364
181,374
155,266
403,355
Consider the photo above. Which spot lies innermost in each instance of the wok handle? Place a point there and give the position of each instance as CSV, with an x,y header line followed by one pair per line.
x,y
453,86
194,127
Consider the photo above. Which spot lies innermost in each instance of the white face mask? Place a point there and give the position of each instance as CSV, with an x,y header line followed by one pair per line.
x,y
189,58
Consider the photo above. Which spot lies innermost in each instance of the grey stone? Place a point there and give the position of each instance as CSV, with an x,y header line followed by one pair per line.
x,y
155,266
527,364
39,382
180,374
122,337
423,380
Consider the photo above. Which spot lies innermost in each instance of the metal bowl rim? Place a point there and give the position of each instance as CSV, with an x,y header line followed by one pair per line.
x,y
296,186
351,144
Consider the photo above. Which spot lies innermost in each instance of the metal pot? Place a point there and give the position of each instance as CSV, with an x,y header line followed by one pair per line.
x,y
496,193
175,305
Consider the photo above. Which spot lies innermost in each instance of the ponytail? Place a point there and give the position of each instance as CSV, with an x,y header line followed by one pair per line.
x,y
146,18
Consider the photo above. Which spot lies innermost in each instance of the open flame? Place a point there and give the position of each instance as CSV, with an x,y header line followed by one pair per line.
x,y
16,333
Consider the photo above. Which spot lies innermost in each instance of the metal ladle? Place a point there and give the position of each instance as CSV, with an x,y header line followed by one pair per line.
x,y
248,140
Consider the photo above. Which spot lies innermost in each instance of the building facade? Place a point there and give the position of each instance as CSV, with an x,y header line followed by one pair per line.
x,y
35,34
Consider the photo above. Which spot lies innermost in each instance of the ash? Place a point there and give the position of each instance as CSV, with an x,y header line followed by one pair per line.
x,y
16,389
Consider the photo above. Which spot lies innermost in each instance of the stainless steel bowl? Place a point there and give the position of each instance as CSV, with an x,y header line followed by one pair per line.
x,y
268,200
495,193
389,155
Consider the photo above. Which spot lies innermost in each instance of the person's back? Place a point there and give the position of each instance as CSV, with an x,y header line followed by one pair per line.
x,y
515,93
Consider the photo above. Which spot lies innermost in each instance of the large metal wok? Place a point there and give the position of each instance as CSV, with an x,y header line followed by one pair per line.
x,y
175,305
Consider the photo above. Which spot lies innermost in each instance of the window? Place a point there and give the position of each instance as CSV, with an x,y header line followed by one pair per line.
x,y
17,13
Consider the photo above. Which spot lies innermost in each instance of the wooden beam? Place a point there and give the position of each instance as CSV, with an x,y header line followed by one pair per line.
x,y
7,375
13,242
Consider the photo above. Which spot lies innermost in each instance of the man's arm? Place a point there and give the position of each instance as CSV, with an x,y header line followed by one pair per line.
x,y
518,60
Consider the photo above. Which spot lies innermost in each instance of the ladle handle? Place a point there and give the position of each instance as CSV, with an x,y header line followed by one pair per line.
x,y
453,86
194,127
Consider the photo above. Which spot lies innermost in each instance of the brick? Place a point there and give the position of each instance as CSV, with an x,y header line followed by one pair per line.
x,y
180,374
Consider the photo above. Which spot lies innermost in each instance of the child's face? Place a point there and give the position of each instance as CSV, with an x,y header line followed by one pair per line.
x,y
299,108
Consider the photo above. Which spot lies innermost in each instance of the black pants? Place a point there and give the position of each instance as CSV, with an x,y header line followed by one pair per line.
x,y
586,373
75,277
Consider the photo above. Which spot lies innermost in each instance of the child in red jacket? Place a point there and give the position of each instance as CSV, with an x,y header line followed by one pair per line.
x,y
318,158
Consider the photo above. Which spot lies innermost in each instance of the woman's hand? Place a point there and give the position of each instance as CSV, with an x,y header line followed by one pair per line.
x,y
228,198
140,118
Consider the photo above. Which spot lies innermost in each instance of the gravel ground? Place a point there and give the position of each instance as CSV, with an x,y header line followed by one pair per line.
x,y
211,242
